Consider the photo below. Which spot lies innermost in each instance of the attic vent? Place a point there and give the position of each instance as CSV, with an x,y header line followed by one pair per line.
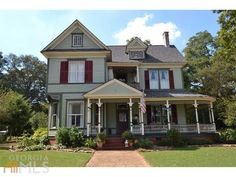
x,y
136,54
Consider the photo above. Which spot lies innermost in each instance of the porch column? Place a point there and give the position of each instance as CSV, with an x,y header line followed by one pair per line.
x,y
168,113
196,114
99,115
209,110
212,116
88,116
131,114
141,120
137,72
50,116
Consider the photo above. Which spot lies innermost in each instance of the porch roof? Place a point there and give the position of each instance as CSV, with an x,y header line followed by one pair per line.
x,y
113,89
176,94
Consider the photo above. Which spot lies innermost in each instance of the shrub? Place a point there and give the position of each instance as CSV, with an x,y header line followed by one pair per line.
x,y
3,138
90,143
76,137
35,147
144,143
101,137
164,142
39,120
175,138
198,141
25,142
69,137
228,136
40,136
127,135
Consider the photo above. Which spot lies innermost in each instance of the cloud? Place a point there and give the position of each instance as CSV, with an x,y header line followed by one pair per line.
x,y
139,27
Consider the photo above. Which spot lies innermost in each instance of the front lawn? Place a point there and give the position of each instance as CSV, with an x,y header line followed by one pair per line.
x,y
193,157
49,158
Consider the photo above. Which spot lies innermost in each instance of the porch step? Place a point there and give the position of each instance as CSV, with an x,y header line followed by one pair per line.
x,y
114,143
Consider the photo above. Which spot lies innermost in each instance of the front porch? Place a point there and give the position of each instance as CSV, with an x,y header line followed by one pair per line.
x,y
117,108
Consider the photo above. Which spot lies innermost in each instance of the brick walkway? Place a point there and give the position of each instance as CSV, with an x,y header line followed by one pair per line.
x,y
117,159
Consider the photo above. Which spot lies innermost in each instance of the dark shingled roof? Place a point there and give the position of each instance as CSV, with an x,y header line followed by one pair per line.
x,y
154,54
170,93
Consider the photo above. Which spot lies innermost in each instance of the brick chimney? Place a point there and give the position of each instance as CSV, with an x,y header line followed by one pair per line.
x,y
166,38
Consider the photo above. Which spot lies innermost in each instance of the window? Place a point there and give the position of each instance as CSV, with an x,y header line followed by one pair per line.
x,y
158,114
76,71
153,79
164,79
136,54
75,116
77,40
54,115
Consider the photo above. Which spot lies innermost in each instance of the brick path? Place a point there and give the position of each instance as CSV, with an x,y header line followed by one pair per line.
x,y
117,159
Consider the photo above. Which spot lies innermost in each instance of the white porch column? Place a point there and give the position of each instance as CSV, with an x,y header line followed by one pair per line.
x,y
168,113
49,116
99,115
137,72
141,119
212,116
196,114
209,110
131,114
88,116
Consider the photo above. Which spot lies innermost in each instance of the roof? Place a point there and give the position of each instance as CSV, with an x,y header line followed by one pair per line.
x,y
175,93
154,54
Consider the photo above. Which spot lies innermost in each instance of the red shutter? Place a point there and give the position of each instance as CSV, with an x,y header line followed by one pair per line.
x,y
88,71
64,72
148,108
174,113
146,78
171,79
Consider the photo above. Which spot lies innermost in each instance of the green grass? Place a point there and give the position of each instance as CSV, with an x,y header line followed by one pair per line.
x,y
193,157
50,158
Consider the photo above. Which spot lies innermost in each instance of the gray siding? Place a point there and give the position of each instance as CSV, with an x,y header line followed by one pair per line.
x,y
73,88
87,42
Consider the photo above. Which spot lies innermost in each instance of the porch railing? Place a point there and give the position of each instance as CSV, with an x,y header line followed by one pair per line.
x,y
188,128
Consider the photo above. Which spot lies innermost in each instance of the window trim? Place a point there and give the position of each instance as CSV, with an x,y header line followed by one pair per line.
x,y
69,123
52,114
159,78
72,39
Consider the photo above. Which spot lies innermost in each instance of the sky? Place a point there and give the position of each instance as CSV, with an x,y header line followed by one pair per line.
x,y
28,32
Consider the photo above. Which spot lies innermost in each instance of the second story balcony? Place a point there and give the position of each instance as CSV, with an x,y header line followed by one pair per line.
x,y
128,75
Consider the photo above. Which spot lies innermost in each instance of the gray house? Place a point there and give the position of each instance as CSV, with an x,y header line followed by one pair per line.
x,y
136,87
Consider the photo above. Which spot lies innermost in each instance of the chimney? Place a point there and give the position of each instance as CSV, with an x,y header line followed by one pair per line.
x,y
166,38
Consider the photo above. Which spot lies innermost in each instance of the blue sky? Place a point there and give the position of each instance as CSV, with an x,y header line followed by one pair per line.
x,y
28,32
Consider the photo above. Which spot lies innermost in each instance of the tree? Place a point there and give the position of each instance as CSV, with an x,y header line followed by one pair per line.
x,y
39,120
198,53
26,75
15,112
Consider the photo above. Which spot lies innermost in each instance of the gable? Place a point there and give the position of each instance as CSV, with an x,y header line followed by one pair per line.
x,y
64,40
67,42
136,44
114,88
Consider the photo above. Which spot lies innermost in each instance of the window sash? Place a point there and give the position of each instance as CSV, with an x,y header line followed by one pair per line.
x,y
75,119
164,79
153,79
76,71
77,40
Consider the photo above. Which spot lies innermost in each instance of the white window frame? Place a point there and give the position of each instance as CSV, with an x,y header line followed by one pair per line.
x,y
167,84
77,76
151,85
54,116
77,40
69,120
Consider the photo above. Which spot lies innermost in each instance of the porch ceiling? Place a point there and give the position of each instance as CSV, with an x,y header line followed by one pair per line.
x,y
114,89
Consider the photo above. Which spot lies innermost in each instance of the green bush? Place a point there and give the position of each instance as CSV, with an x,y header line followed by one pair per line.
x,y
90,143
198,141
164,142
101,137
40,136
76,137
3,138
35,147
144,143
127,135
63,137
69,137
39,120
228,136
25,142
175,138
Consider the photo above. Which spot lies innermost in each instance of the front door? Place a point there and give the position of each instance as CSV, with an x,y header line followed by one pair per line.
x,y
122,120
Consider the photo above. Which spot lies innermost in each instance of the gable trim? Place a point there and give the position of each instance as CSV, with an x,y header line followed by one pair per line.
x,y
70,29
89,94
